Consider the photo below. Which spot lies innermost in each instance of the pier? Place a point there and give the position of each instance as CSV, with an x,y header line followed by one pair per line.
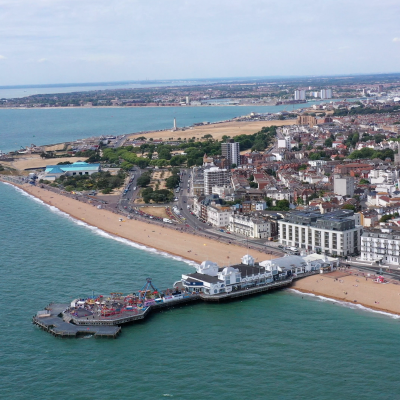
x,y
58,319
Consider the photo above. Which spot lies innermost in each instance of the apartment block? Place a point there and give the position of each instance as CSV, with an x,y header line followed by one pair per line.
x,y
331,233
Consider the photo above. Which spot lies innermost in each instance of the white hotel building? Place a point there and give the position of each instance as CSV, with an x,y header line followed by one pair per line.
x,y
381,245
337,233
250,227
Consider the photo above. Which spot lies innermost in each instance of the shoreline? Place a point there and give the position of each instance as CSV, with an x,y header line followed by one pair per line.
x,y
130,107
163,239
353,287
175,106
340,300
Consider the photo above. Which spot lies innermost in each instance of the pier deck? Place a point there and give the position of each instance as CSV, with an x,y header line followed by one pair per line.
x,y
55,325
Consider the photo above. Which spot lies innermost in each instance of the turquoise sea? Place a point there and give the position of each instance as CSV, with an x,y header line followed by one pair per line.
x,y
276,346
47,126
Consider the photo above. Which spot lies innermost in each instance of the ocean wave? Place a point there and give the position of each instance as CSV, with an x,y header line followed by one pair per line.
x,y
100,232
354,306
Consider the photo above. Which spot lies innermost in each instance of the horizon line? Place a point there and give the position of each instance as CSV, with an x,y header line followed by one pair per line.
x,y
144,81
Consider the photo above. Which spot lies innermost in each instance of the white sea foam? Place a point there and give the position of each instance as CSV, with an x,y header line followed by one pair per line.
x,y
105,234
354,306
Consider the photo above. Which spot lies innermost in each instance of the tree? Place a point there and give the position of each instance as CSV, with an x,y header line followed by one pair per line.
x,y
386,218
177,160
172,181
349,207
164,152
268,201
283,205
364,181
328,142
143,180
270,171
142,163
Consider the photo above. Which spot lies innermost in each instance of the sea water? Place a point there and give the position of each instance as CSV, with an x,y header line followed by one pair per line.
x,y
280,345
21,128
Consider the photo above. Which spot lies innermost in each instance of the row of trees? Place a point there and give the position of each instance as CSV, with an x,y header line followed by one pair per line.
x,y
157,196
365,110
103,181
128,156
367,152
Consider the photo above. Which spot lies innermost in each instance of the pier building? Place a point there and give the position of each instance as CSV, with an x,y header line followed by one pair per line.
x,y
210,279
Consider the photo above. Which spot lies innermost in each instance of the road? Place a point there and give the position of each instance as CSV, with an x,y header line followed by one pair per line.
x,y
127,199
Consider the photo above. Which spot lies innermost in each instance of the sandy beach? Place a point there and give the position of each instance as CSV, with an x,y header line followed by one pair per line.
x,y
355,287
192,247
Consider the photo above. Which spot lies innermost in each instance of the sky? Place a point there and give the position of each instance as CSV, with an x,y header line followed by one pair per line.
x,y
68,41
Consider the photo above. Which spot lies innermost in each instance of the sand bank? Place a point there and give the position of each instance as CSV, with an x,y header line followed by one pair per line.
x,y
169,240
353,287
24,161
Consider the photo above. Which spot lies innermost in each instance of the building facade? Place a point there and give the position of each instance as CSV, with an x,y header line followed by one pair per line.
x,y
333,233
218,216
231,151
381,245
343,186
53,172
215,177
326,93
300,94
251,227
